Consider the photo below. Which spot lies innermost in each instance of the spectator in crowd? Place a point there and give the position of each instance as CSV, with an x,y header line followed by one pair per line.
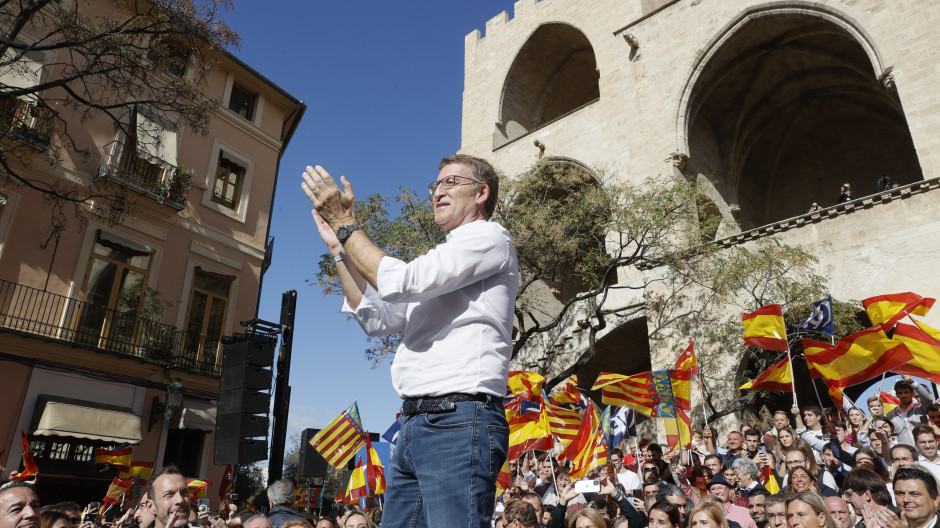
x,y
797,458
734,446
775,510
142,514
781,420
846,194
881,435
300,523
325,523
813,432
903,455
674,495
802,480
547,511
54,518
746,472
656,457
593,516
19,506
280,500
857,424
933,416
73,511
713,463
840,511
927,448
756,500
651,488
866,458
875,407
910,412
730,475
664,514
357,519
628,479
533,499
546,475
834,467
722,490
261,521
708,515
168,499
866,491
751,443
915,491
521,512
786,440
807,510
813,208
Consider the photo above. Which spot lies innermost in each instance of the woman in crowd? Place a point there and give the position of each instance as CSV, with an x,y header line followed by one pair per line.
x,y
592,517
786,437
523,512
664,514
54,519
707,515
807,510
857,423
801,480
357,519
866,458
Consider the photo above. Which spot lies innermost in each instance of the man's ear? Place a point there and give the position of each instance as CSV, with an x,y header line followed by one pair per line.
x,y
483,194
151,507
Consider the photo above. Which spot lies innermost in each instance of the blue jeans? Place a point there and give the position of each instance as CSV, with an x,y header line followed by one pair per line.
x,y
443,470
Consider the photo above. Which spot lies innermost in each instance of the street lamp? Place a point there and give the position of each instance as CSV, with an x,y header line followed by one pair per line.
x,y
164,408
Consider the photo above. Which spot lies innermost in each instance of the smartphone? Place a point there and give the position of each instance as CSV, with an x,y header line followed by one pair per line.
x,y
203,505
761,449
587,486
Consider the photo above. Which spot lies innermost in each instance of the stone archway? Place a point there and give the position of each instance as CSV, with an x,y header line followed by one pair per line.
x,y
787,106
554,73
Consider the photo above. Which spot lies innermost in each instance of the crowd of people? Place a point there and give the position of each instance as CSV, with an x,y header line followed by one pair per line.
x,y
823,468
167,503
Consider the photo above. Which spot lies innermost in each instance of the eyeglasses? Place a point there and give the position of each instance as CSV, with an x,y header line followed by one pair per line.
x,y
903,459
449,182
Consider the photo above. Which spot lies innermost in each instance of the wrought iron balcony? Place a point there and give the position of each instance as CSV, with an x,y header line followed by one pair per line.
x,y
36,313
26,123
121,164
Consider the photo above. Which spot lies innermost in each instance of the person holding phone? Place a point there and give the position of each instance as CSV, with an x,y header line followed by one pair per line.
x,y
592,517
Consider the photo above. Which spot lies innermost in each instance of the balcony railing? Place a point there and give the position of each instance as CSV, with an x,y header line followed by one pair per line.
x,y
36,313
26,122
121,164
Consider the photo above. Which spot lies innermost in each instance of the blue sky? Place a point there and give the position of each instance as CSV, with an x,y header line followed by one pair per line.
x,y
383,83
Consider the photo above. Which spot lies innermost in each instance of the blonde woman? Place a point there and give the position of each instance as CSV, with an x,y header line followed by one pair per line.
x,y
807,510
707,515
357,519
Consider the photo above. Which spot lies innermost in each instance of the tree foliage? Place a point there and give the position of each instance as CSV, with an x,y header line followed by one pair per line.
x,y
99,61
583,239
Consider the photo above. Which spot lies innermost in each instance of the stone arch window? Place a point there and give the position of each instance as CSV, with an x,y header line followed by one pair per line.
x,y
554,73
786,108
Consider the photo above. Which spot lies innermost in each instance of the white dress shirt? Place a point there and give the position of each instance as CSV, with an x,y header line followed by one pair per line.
x,y
455,306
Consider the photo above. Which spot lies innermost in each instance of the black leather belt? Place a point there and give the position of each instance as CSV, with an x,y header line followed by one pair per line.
x,y
440,404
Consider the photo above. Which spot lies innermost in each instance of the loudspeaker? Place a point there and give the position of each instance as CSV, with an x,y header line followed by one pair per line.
x,y
312,464
239,450
257,351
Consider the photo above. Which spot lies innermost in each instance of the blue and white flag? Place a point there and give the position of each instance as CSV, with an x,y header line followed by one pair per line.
x,y
391,436
622,424
821,318
528,406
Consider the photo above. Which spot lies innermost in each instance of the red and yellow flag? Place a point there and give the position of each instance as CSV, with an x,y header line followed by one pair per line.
x,y
375,472
226,487
356,489
503,479
922,344
767,479
528,431
764,328
887,310
888,401
197,488
681,376
563,423
589,448
342,438
776,378
678,430
857,357
119,458
29,465
137,469
569,396
637,392
525,384
117,488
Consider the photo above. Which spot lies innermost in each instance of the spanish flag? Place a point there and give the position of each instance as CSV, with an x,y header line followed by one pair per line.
x,y
764,328
197,488
119,458
887,310
528,431
29,465
569,396
503,479
888,401
117,488
522,381
356,489
375,472
776,378
923,345
681,376
766,478
856,358
137,469
678,430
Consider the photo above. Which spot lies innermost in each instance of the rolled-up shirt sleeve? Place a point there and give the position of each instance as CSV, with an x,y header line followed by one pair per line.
x,y
375,316
475,255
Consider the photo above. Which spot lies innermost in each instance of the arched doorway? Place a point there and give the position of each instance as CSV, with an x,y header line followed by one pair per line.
x,y
554,73
786,107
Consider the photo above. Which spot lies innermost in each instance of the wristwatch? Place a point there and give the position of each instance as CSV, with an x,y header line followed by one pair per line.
x,y
344,232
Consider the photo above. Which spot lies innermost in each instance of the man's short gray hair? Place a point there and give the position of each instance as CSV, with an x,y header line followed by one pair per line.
x,y
746,465
665,490
281,493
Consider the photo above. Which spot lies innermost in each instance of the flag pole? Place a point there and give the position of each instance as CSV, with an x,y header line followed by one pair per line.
x,y
701,389
792,378
816,390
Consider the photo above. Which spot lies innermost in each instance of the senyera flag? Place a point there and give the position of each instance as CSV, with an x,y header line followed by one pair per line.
x,y
776,378
764,328
342,438
856,358
887,310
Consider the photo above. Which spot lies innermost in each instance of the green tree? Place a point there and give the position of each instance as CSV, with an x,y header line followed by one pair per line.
x,y
99,64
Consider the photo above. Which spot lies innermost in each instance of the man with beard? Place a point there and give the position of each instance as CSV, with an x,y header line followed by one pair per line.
x,y
19,506
168,499
756,501
909,413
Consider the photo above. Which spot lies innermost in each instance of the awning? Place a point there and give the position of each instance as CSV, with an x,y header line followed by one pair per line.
x,y
197,414
156,142
56,416
26,72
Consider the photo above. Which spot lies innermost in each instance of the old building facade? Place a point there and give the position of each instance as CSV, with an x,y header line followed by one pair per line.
x,y
89,356
779,103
